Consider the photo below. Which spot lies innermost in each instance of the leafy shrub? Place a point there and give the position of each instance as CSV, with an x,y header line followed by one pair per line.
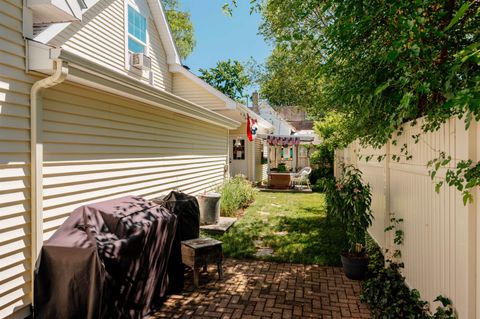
x,y
236,193
388,296
282,168
320,173
349,199
321,161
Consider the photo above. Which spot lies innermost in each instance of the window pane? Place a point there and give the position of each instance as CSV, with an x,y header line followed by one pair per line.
x,y
131,16
137,25
143,36
135,47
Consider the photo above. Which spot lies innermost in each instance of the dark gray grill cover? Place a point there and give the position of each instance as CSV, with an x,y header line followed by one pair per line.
x,y
107,260
185,207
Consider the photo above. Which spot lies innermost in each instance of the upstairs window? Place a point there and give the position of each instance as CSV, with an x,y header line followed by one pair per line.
x,y
137,31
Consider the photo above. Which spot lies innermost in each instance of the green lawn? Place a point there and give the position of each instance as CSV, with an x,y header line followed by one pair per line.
x,y
289,227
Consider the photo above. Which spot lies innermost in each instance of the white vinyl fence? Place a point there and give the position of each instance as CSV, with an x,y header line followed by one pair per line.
x,y
441,250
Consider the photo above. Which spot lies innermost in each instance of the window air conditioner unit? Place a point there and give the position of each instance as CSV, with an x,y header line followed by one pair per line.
x,y
141,61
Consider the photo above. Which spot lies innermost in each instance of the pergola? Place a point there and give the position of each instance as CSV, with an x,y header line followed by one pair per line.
x,y
283,149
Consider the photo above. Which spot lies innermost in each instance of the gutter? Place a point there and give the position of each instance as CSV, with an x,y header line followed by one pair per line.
x,y
59,75
91,74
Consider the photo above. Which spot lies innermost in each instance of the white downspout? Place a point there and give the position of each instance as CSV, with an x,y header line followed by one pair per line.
x,y
229,156
60,72
254,155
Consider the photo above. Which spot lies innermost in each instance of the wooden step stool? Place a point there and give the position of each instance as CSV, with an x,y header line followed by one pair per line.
x,y
197,253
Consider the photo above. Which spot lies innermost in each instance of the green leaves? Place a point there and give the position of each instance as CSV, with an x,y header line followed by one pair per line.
x,y
460,13
465,176
229,77
381,88
438,186
349,199
388,296
236,193
331,129
181,27
379,64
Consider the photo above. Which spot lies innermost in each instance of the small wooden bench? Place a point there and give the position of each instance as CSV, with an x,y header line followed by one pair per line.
x,y
199,252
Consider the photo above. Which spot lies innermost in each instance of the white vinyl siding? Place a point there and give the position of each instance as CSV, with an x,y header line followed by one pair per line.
x,y
98,146
14,164
189,90
255,170
260,169
101,37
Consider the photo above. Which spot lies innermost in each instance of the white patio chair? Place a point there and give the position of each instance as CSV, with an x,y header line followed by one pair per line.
x,y
301,177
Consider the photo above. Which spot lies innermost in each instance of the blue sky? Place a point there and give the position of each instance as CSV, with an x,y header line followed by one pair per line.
x,y
221,37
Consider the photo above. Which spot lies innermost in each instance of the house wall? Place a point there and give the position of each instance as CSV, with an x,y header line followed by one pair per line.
x,y
441,250
98,146
261,170
253,154
101,37
280,126
191,91
241,130
14,164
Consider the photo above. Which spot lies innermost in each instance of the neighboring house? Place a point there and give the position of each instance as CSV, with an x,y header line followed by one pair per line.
x,y
288,121
247,158
94,109
296,117
280,125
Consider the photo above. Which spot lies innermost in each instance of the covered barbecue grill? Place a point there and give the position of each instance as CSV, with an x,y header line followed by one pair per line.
x,y
185,207
107,260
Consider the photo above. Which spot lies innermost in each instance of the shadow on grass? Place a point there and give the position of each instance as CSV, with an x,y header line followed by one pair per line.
x,y
239,242
308,240
295,226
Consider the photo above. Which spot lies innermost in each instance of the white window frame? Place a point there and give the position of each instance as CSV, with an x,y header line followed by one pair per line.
x,y
144,73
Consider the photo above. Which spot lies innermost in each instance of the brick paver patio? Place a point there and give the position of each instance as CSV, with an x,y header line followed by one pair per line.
x,y
258,290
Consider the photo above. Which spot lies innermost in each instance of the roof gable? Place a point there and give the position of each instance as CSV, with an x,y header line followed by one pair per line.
x,y
49,32
163,29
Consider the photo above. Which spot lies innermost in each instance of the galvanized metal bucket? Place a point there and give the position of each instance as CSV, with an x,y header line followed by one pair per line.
x,y
209,208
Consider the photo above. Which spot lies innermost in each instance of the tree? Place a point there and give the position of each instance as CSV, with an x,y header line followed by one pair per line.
x,y
286,80
181,27
331,130
381,63
229,77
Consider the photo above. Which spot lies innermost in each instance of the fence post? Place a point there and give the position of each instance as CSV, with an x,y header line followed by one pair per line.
x,y
388,213
474,209
339,158
473,230
466,227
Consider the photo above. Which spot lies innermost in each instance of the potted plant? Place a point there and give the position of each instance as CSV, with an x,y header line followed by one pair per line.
x,y
282,168
349,199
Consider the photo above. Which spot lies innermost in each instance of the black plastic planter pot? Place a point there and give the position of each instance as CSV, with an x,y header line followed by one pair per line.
x,y
354,267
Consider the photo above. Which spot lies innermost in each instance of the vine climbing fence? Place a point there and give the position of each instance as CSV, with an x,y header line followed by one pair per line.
x,y
441,250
